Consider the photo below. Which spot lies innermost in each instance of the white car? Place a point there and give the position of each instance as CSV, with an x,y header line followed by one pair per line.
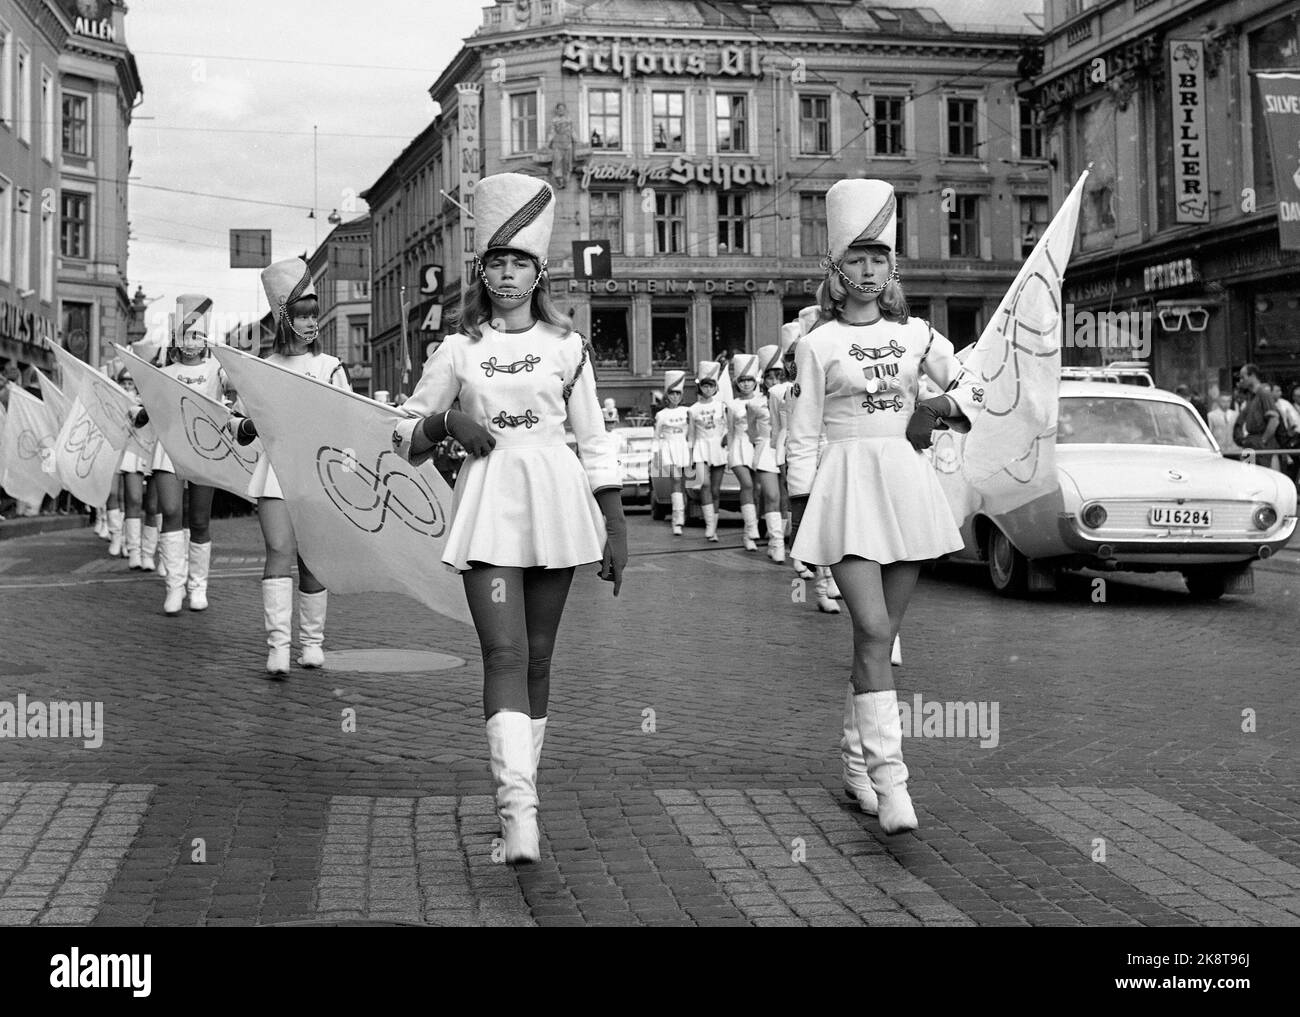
x,y
1142,487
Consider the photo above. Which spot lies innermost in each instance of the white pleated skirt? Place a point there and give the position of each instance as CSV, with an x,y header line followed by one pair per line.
x,y
740,452
709,451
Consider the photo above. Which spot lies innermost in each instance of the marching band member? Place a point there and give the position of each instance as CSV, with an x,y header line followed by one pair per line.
x,y
778,401
740,450
526,512
872,508
131,472
293,301
671,451
186,551
766,471
707,436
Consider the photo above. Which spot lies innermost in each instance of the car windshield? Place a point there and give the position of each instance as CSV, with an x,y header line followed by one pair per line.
x,y
1106,421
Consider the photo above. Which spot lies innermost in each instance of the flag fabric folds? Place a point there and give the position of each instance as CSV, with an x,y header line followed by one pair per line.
x,y
107,403
86,462
54,397
1009,388
27,452
192,428
365,519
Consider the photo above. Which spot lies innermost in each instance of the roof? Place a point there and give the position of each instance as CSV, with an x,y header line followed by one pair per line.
x,y
1113,390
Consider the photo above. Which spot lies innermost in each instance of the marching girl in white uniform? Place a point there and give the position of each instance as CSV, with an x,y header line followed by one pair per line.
x,y
131,471
293,302
872,508
778,405
526,510
672,454
740,450
763,414
707,436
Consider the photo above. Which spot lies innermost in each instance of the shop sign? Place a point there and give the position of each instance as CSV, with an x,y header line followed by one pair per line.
x,y
24,327
1280,94
682,170
582,57
1187,100
1168,274
1096,73
660,287
93,18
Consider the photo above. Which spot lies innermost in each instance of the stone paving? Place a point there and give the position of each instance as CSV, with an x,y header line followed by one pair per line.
x,y
691,771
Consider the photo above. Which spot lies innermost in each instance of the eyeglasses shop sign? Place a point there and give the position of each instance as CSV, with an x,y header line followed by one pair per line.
x,y
1187,94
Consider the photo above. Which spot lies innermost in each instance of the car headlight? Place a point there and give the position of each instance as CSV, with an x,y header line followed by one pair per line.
x,y
1264,517
1094,516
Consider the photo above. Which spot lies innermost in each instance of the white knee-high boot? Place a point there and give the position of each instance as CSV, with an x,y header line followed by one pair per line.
x,y
710,521
311,627
857,780
200,557
679,512
775,537
101,523
131,542
277,612
881,732
115,520
750,515
511,747
171,547
824,602
148,546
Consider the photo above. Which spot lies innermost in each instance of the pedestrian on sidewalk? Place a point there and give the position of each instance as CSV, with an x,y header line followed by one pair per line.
x,y
293,302
526,512
671,454
740,449
706,434
872,508
1257,426
1223,421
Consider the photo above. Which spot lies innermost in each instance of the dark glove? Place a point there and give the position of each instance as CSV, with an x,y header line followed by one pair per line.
x,y
140,417
477,439
614,560
798,505
243,429
925,418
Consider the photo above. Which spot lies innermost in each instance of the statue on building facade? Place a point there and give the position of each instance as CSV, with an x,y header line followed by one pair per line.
x,y
560,141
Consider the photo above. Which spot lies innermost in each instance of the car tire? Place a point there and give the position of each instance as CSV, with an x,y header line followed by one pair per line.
x,y
1008,568
1207,584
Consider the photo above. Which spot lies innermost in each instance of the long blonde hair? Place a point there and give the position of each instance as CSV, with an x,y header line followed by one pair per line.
x,y
832,293
476,308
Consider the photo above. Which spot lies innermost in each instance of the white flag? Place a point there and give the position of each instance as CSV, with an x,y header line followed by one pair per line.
x,y
366,520
192,428
54,397
86,463
1009,388
108,404
28,450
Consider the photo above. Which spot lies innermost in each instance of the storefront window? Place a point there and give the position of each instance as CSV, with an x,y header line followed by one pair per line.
x,y
730,332
609,337
965,321
1275,47
76,328
668,331
1096,143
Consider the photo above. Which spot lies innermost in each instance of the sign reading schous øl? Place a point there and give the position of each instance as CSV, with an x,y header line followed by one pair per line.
x,y
592,259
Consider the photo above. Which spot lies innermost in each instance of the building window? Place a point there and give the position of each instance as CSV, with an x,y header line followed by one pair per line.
x,y
610,340
76,327
812,225
607,218
523,123
732,213
6,230
965,321
887,125
962,135
24,94
358,342
47,115
76,125
964,227
605,117
732,118
667,121
814,124
730,331
1031,131
6,74
670,222
668,338
47,255
74,239
1033,220
23,241
901,201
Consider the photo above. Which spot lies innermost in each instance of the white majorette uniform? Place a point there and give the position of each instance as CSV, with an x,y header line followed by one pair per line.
x,y
740,450
193,313
708,421
779,395
321,367
672,451
759,415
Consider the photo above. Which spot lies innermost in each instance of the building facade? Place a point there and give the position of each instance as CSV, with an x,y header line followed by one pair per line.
x,y
32,37
695,143
1179,227
340,272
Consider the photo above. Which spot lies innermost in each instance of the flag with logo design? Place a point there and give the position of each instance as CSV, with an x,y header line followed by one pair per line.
x,y
85,460
108,404
27,449
1009,387
192,428
54,397
366,520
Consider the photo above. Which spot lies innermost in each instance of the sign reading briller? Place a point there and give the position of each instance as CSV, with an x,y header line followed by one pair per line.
x,y
1187,94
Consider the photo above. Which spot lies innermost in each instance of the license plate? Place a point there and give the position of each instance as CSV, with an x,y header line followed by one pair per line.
x,y
1181,516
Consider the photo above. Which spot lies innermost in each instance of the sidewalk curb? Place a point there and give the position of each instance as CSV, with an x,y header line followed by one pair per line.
x,y
30,526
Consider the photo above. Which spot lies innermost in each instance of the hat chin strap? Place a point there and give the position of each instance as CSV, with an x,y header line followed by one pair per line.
x,y
508,294
868,289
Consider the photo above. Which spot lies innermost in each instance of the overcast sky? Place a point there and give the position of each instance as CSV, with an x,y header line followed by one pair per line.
x,y
231,92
